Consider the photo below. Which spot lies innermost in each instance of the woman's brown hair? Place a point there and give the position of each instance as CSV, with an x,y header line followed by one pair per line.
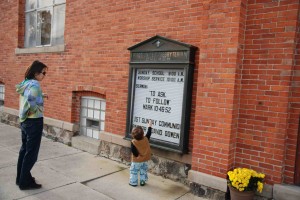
x,y
35,67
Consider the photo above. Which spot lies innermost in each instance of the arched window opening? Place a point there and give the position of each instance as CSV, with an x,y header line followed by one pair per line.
x,y
92,116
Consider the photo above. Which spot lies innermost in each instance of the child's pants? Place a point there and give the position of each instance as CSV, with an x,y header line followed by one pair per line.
x,y
134,170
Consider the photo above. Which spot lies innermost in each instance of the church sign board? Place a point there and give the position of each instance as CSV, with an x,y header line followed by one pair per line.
x,y
160,89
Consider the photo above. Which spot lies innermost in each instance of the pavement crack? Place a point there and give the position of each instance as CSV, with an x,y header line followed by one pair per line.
x,y
59,156
24,197
182,195
85,182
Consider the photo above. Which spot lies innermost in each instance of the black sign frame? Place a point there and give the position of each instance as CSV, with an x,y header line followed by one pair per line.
x,y
163,53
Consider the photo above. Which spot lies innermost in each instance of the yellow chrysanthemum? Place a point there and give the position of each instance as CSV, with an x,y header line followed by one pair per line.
x,y
244,179
260,186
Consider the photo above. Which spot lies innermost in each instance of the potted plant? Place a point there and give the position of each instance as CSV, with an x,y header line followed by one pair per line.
x,y
243,183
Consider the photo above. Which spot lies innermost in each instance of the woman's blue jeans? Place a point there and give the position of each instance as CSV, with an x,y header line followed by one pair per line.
x,y
32,130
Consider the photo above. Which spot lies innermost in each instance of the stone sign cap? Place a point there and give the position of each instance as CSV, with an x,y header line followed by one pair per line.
x,y
160,43
158,49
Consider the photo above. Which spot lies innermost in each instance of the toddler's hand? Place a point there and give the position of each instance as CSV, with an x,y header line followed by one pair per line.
x,y
149,123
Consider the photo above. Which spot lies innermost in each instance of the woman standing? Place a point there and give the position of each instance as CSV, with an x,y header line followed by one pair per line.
x,y
31,118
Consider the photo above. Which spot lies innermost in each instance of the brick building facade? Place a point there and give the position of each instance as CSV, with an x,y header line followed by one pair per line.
x,y
245,96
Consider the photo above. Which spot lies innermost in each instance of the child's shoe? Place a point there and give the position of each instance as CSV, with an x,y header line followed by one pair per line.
x,y
132,185
142,183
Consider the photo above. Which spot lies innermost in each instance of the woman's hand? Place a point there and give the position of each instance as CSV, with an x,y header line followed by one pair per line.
x,y
45,95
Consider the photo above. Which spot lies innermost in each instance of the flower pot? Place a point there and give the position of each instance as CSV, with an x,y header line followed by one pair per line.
x,y
237,195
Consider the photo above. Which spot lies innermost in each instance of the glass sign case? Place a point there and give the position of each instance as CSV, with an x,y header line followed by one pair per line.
x,y
160,89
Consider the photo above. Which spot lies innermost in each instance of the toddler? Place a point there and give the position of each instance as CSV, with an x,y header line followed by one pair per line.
x,y
141,153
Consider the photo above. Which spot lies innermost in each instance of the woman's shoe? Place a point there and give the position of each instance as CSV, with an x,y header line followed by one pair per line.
x,y
31,186
17,181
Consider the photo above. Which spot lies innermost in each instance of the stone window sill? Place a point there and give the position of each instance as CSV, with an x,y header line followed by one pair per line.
x,y
50,49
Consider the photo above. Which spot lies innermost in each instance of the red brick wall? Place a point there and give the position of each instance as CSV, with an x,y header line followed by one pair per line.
x,y
76,103
222,30
294,112
97,35
242,81
9,25
266,80
21,24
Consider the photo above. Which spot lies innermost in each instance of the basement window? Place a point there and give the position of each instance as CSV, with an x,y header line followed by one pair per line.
x,y
92,116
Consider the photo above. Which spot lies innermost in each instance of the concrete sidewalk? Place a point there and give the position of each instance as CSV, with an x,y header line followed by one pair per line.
x,y
68,173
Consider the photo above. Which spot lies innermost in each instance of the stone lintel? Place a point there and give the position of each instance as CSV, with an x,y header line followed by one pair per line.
x,y
108,137
87,144
112,138
44,49
208,180
286,192
61,124
10,111
49,121
218,183
183,158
